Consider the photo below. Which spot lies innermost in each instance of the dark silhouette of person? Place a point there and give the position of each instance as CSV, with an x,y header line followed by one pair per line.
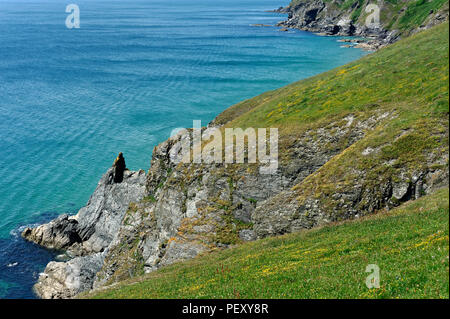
x,y
119,168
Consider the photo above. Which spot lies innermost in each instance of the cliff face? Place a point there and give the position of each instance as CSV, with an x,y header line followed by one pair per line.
x,y
345,150
86,236
352,17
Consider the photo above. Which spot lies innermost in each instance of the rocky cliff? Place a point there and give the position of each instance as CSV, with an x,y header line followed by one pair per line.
x,y
345,151
86,236
187,209
356,17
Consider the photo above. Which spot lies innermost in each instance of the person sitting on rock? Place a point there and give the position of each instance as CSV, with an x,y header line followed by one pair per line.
x,y
119,168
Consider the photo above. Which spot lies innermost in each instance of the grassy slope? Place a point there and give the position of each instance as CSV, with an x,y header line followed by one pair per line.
x,y
409,244
413,71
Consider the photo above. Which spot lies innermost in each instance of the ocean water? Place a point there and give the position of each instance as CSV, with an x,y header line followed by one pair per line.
x,y
71,99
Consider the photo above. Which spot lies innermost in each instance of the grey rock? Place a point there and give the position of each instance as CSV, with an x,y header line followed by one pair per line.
x,y
67,279
96,224
178,251
247,235
325,18
100,220
60,233
86,234
400,190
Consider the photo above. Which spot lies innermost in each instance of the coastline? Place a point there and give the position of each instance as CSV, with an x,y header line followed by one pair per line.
x,y
81,240
72,152
322,18
89,246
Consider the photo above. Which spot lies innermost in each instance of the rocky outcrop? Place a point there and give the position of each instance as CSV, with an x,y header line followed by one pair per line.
x,y
344,18
62,280
60,233
323,17
96,224
86,236
285,213
359,181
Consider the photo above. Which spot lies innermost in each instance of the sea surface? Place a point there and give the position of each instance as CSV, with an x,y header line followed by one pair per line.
x,y
71,99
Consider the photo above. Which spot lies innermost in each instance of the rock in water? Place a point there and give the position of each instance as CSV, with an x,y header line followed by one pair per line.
x,y
86,234
60,233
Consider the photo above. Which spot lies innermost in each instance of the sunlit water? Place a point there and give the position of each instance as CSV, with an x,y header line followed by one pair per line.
x,y
70,100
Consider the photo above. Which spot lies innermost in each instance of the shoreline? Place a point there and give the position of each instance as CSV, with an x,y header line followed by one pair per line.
x,y
358,42
66,225
368,41
321,18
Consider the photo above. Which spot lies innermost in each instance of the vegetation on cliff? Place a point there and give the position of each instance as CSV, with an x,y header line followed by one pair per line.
x,y
357,140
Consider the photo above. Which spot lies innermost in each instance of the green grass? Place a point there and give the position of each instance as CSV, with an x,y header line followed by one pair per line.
x,y
417,12
409,244
414,71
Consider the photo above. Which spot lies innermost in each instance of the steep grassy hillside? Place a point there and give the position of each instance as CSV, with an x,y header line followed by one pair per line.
x,y
413,72
409,244
408,82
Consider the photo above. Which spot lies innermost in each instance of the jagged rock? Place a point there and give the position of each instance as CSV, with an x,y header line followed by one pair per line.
x,y
96,224
284,213
60,233
99,221
89,232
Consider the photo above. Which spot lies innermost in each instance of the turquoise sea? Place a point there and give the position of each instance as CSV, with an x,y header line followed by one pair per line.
x,y
71,99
